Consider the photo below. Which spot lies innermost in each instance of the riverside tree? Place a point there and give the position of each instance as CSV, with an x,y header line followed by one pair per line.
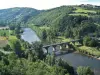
x,y
84,71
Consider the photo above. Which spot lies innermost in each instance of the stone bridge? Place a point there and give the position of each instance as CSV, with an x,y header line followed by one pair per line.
x,y
63,45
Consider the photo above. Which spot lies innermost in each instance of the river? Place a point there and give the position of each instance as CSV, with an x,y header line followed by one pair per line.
x,y
29,35
74,59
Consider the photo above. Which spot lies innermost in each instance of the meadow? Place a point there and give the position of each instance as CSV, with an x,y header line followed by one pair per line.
x,y
4,32
82,12
78,9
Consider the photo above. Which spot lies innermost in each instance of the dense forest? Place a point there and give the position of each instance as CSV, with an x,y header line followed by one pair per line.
x,y
17,14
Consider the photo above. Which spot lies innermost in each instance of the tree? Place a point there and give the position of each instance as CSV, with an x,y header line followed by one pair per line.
x,y
50,60
5,60
68,33
18,36
31,56
87,41
4,34
44,34
84,71
16,45
65,65
93,43
52,33
17,31
37,49
7,48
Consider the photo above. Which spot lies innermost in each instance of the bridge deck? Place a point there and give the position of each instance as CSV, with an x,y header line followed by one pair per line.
x,y
61,43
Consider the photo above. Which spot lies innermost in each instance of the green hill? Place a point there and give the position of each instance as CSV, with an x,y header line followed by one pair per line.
x,y
17,14
50,16
76,20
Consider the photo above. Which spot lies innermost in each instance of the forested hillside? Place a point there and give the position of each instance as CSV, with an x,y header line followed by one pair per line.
x,y
51,16
17,14
77,20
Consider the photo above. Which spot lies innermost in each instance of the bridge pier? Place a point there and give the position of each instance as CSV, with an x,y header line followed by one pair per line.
x,y
46,49
70,47
54,47
62,46
67,46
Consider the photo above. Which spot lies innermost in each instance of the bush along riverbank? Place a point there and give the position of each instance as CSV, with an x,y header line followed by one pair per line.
x,y
89,51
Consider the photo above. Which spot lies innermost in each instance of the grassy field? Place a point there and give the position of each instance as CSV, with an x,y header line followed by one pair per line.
x,y
4,37
82,12
91,50
44,27
12,38
78,9
4,40
4,31
63,39
77,14
3,43
11,32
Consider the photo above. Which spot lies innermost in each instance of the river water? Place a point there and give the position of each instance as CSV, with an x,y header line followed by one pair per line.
x,y
74,59
29,35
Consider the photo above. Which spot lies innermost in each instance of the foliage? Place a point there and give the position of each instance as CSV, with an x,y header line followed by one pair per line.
x,y
44,35
87,41
7,48
61,21
12,65
37,50
50,16
84,71
17,15
16,46
65,65
76,26
91,50
4,32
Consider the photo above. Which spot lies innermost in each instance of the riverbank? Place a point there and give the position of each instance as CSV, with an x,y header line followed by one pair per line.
x,y
98,58
88,51
36,29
